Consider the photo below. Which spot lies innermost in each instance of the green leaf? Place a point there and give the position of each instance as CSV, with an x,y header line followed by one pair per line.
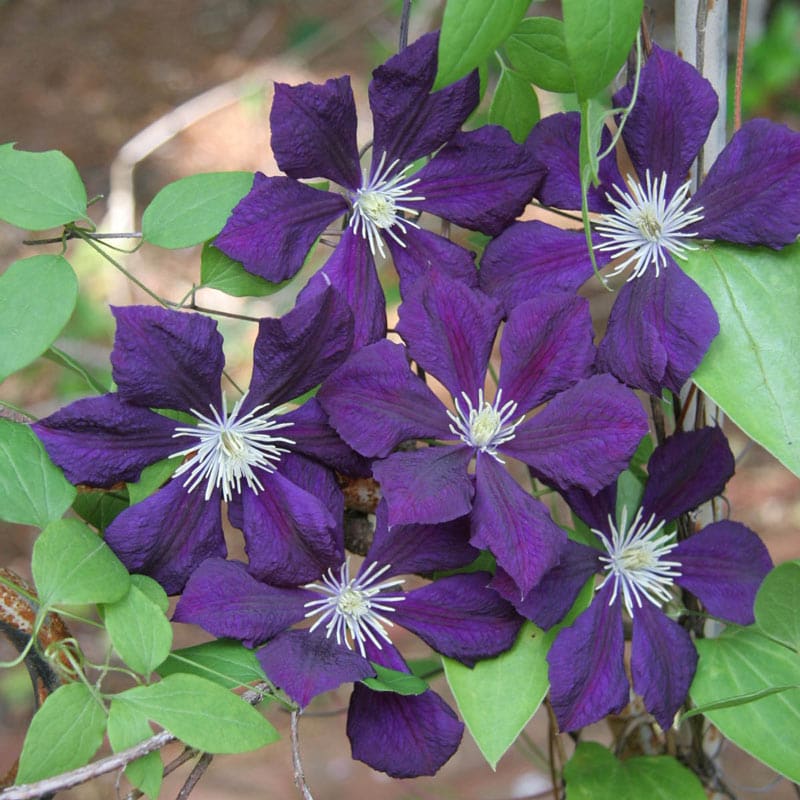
x,y
537,51
193,210
598,35
126,728
750,371
218,271
33,491
471,31
152,590
100,507
742,662
39,190
201,714
63,735
629,496
593,773
68,362
391,680
152,478
37,298
72,565
139,630
223,661
515,105
777,603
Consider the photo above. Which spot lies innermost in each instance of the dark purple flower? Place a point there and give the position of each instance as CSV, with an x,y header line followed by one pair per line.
x,y
641,563
352,615
662,323
480,179
264,459
583,437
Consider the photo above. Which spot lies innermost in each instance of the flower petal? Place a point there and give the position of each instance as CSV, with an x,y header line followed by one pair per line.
x,y
314,131
408,120
663,662
375,401
587,673
225,600
724,565
546,347
273,227
168,535
584,436
516,527
594,509
102,440
481,180
688,469
751,195
167,359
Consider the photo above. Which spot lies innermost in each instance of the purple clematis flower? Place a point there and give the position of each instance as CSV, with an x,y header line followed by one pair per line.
x,y
662,323
641,564
480,180
458,616
267,461
583,437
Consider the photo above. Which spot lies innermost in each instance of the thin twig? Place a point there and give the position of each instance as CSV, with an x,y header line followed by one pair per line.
x,y
187,755
194,776
299,775
404,20
72,235
737,91
699,62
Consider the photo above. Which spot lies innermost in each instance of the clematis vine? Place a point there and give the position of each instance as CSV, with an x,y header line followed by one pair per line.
x,y
642,565
270,463
662,323
355,617
480,180
583,437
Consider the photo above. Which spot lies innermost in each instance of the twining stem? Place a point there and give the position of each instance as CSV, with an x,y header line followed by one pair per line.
x,y
404,20
737,91
299,775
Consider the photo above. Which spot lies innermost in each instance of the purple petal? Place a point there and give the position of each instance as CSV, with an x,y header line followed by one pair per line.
x,y
225,600
460,617
168,535
167,359
533,258
723,565
291,538
751,195
305,664
449,329
658,332
671,119
408,120
375,401
100,441
587,673
688,469
414,549
584,437
554,143
594,509
481,180
663,661
298,351
515,526
403,736
314,131
426,486
273,227
546,347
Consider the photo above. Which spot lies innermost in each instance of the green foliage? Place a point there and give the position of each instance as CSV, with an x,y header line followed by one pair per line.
x,y
38,298
777,604
33,491
126,728
223,661
100,507
218,271
538,52
152,478
391,680
751,368
39,190
514,105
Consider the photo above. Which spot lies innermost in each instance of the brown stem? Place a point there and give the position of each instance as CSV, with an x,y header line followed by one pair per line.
x,y
737,92
194,776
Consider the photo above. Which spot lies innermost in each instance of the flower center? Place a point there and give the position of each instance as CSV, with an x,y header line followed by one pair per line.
x,y
377,205
486,426
352,606
229,448
648,227
636,560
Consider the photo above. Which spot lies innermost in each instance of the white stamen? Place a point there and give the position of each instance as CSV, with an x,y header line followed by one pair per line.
x,y
635,561
229,449
649,226
376,205
352,605
486,426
